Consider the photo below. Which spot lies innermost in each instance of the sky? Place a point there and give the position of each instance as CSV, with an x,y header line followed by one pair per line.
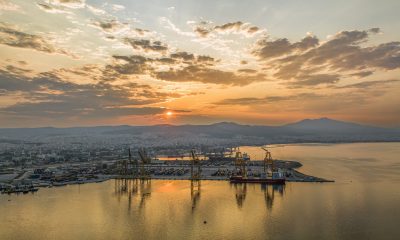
x,y
85,63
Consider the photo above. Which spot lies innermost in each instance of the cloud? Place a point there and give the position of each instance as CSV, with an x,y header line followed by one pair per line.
x,y
339,101
266,49
362,74
138,64
204,29
69,3
169,25
310,62
267,100
8,6
134,64
247,70
315,79
252,30
96,11
141,31
15,38
183,55
47,95
17,70
181,67
369,84
111,26
117,7
203,74
201,31
147,45
229,26
51,9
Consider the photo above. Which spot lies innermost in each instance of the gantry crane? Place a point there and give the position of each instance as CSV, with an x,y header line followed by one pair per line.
x,y
268,161
145,159
122,167
134,164
195,166
240,163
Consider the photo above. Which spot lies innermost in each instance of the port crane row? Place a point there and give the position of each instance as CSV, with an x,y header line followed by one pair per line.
x,y
140,168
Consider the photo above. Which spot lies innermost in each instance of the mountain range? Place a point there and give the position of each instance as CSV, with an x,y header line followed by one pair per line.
x,y
307,130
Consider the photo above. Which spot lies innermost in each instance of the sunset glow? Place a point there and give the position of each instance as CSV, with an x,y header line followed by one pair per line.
x,y
77,62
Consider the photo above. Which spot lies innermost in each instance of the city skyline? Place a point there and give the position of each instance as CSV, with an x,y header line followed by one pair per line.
x,y
85,63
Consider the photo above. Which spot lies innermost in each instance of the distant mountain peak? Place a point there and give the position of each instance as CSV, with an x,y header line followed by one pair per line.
x,y
226,124
323,123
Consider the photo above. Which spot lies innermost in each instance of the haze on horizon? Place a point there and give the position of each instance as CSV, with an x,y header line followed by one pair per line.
x,y
80,63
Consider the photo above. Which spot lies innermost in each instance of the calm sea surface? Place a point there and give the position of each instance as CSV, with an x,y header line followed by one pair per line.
x,y
363,203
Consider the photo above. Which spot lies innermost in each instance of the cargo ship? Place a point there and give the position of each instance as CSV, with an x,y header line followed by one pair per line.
x,y
276,178
225,158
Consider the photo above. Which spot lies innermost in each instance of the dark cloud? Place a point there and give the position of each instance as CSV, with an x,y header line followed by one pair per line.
x,y
183,67
229,26
191,58
315,79
203,29
339,101
71,109
141,31
17,70
48,95
362,74
203,58
253,29
110,26
45,7
134,64
15,38
369,84
147,45
309,62
52,8
200,73
268,99
247,70
266,49
183,55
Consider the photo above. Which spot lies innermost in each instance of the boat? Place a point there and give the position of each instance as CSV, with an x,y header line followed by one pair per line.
x,y
240,179
276,178
20,189
223,158
59,184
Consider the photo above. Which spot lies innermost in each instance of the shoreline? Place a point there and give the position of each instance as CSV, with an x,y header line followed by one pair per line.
x,y
171,170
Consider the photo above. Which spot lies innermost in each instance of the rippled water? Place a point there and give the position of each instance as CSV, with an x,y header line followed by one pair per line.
x,y
363,203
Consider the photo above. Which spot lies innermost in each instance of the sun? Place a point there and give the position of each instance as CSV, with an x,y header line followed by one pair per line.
x,y
169,113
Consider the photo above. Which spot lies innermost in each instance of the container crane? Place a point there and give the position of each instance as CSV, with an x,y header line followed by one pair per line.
x,y
145,159
195,166
268,161
240,163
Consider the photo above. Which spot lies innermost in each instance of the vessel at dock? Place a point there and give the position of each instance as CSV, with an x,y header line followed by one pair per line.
x,y
20,189
279,179
271,174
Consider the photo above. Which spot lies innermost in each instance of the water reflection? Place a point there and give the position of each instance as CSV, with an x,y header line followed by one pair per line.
x,y
240,193
366,208
145,191
132,188
269,193
195,188
268,190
